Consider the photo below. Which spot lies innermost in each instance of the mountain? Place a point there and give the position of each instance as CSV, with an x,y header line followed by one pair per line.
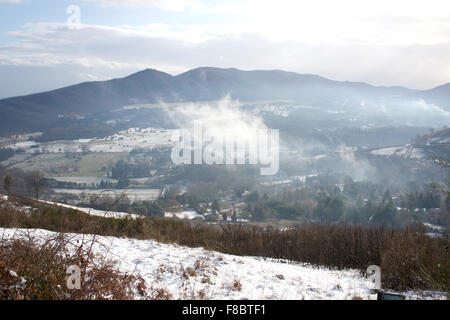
x,y
436,144
439,96
32,112
37,111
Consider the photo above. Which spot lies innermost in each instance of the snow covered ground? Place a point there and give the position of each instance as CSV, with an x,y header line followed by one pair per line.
x,y
290,180
187,214
137,194
193,273
399,151
5,203
123,141
407,151
85,180
94,212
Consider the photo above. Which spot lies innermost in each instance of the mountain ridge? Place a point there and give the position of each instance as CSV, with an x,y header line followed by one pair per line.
x,y
34,111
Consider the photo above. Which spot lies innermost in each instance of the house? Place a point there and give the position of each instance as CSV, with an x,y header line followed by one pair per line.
x,y
226,214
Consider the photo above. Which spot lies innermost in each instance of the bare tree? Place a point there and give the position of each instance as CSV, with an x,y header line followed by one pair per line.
x,y
35,181
444,189
85,148
173,206
7,183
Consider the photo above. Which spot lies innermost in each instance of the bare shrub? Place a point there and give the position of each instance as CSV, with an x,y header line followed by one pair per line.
x,y
189,272
408,257
202,294
160,294
237,285
39,271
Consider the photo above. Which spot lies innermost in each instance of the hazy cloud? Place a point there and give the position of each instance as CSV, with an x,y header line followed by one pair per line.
x,y
174,5
403,43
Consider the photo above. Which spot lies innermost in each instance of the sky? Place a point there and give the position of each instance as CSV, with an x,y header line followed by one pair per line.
x,y
43,44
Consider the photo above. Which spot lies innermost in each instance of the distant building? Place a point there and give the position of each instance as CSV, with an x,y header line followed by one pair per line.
x,y
226,214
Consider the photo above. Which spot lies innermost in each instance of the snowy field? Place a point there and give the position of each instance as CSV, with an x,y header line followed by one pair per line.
x,y
85,180
95,212
16,158
193,273
123,141
288,181
187,214
407,151
132,194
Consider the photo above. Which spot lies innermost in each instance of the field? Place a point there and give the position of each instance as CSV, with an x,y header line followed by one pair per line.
x,y
132,194
83,157
123,141
67,165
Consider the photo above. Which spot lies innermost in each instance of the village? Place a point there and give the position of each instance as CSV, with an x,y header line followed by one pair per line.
x,y
224,210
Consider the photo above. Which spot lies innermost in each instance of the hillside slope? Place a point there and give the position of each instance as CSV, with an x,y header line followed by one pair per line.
x,y
433,145
37,111
196,273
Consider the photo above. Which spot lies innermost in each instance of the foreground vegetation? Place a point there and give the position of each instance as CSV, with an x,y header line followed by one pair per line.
x,y
32,271
408,258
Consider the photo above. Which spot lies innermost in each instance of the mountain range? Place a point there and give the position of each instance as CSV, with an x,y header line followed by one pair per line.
x,y
37,111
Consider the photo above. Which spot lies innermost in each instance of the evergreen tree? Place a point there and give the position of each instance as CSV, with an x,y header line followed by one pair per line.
x,y
7,183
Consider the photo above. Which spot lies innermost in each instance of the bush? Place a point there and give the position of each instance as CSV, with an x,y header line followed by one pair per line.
x,y
408,258
29,270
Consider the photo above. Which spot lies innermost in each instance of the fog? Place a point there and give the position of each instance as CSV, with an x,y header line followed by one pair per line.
x,y
302,151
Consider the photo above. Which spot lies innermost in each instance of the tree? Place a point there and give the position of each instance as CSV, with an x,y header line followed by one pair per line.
x,y
7,183
120,170
123,183
387,198
444,189
172,192
155,209
215,206
234,216
173,206
385,213
36,182
329,209
253,197
259,213
85,148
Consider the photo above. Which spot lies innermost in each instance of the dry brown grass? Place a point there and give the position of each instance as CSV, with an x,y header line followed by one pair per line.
x,y
237,285
408,258
31,270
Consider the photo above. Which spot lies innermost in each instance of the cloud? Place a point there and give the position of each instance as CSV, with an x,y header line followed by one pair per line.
x,y
220,125
403,22
422,106
384,50
215,116
171,5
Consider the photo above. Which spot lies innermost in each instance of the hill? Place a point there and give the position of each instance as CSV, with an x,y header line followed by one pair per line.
x,y
37,111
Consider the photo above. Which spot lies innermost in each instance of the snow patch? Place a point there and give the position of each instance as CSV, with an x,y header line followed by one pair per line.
x,y
186,272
